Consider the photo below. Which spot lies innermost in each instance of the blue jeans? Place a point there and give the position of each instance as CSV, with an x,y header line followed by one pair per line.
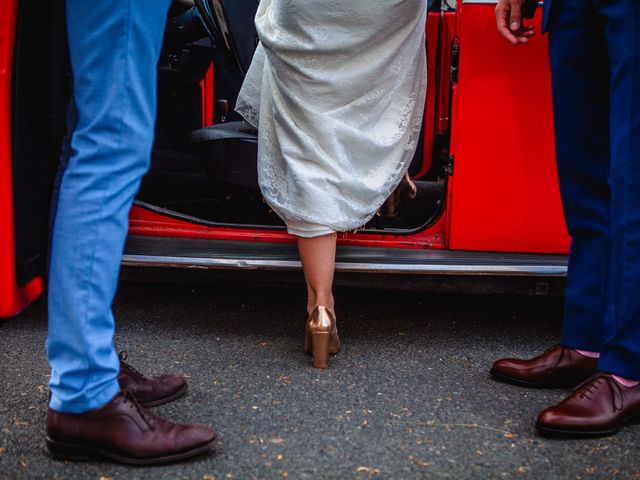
x,y
114,47
595,62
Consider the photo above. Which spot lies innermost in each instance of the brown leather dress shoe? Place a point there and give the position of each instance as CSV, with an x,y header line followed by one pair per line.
x,y
126,432
557,367
150,391
598,407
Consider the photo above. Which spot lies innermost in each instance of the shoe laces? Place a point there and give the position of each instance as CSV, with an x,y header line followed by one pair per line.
x,y
589,387
132,370
146,415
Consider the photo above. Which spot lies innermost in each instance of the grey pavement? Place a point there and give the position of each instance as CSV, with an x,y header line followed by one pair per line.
x,y
408,397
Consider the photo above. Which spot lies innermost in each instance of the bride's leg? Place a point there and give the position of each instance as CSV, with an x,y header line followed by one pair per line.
x,y
318,255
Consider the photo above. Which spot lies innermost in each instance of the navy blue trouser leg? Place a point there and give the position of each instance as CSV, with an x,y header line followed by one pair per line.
x,y
114,47
595,60
621,350
579,66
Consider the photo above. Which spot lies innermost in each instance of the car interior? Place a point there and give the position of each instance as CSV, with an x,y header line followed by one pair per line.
x,y
209,173
204,161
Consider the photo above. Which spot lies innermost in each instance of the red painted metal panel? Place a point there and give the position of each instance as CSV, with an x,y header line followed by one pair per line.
x,y
505,194
440,34
208,97
447,35
12,298
150,223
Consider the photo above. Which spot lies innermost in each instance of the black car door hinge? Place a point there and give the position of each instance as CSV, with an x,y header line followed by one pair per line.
x,y
455,61
448,168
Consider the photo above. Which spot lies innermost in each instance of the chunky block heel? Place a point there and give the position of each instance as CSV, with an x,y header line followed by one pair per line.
x,y
320,349
322,336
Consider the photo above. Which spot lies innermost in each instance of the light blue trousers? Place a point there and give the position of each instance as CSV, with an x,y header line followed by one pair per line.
x,y
114,47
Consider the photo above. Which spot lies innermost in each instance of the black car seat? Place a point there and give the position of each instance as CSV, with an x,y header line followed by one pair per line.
x,y
230,149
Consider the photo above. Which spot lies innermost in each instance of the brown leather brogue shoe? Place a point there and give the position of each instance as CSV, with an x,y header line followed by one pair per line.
x,y
598,407
150,391
126,432
557,367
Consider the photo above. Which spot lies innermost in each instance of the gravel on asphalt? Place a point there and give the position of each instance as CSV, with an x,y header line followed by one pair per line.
x,y
409,396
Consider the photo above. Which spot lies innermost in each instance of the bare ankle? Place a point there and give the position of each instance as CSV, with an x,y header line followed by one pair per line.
x,y
319,302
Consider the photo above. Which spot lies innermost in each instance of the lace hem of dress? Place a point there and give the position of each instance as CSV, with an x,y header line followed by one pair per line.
x,y
289,214
249,113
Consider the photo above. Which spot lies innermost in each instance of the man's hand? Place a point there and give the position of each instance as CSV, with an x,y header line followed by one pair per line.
x,y
509,20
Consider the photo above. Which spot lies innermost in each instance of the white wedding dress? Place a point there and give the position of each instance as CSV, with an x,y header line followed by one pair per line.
x,y
336,89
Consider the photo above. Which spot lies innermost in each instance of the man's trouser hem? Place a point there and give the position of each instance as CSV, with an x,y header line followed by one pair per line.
x,y
98,400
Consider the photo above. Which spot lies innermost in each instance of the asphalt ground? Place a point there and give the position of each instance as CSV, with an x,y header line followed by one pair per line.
x,y
409,396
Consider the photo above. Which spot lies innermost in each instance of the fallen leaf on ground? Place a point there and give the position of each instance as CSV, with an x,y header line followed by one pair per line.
x,y
424,441
19,423
371,470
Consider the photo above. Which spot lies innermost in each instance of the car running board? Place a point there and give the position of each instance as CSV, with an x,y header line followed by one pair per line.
x,y
142,251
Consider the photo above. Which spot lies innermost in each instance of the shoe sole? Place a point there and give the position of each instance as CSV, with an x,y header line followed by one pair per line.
x,y
559,433
523,383
565,433
161,401
76,452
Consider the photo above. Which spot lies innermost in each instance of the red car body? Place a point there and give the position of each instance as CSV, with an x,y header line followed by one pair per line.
x,y
492,99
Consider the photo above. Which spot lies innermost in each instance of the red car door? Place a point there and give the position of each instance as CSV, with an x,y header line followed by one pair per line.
x,y
504,193
16,291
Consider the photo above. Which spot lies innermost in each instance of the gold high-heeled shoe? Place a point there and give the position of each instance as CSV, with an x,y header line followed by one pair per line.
x,y
322,336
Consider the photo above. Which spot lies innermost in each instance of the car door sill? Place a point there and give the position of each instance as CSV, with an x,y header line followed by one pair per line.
x,y
142,251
